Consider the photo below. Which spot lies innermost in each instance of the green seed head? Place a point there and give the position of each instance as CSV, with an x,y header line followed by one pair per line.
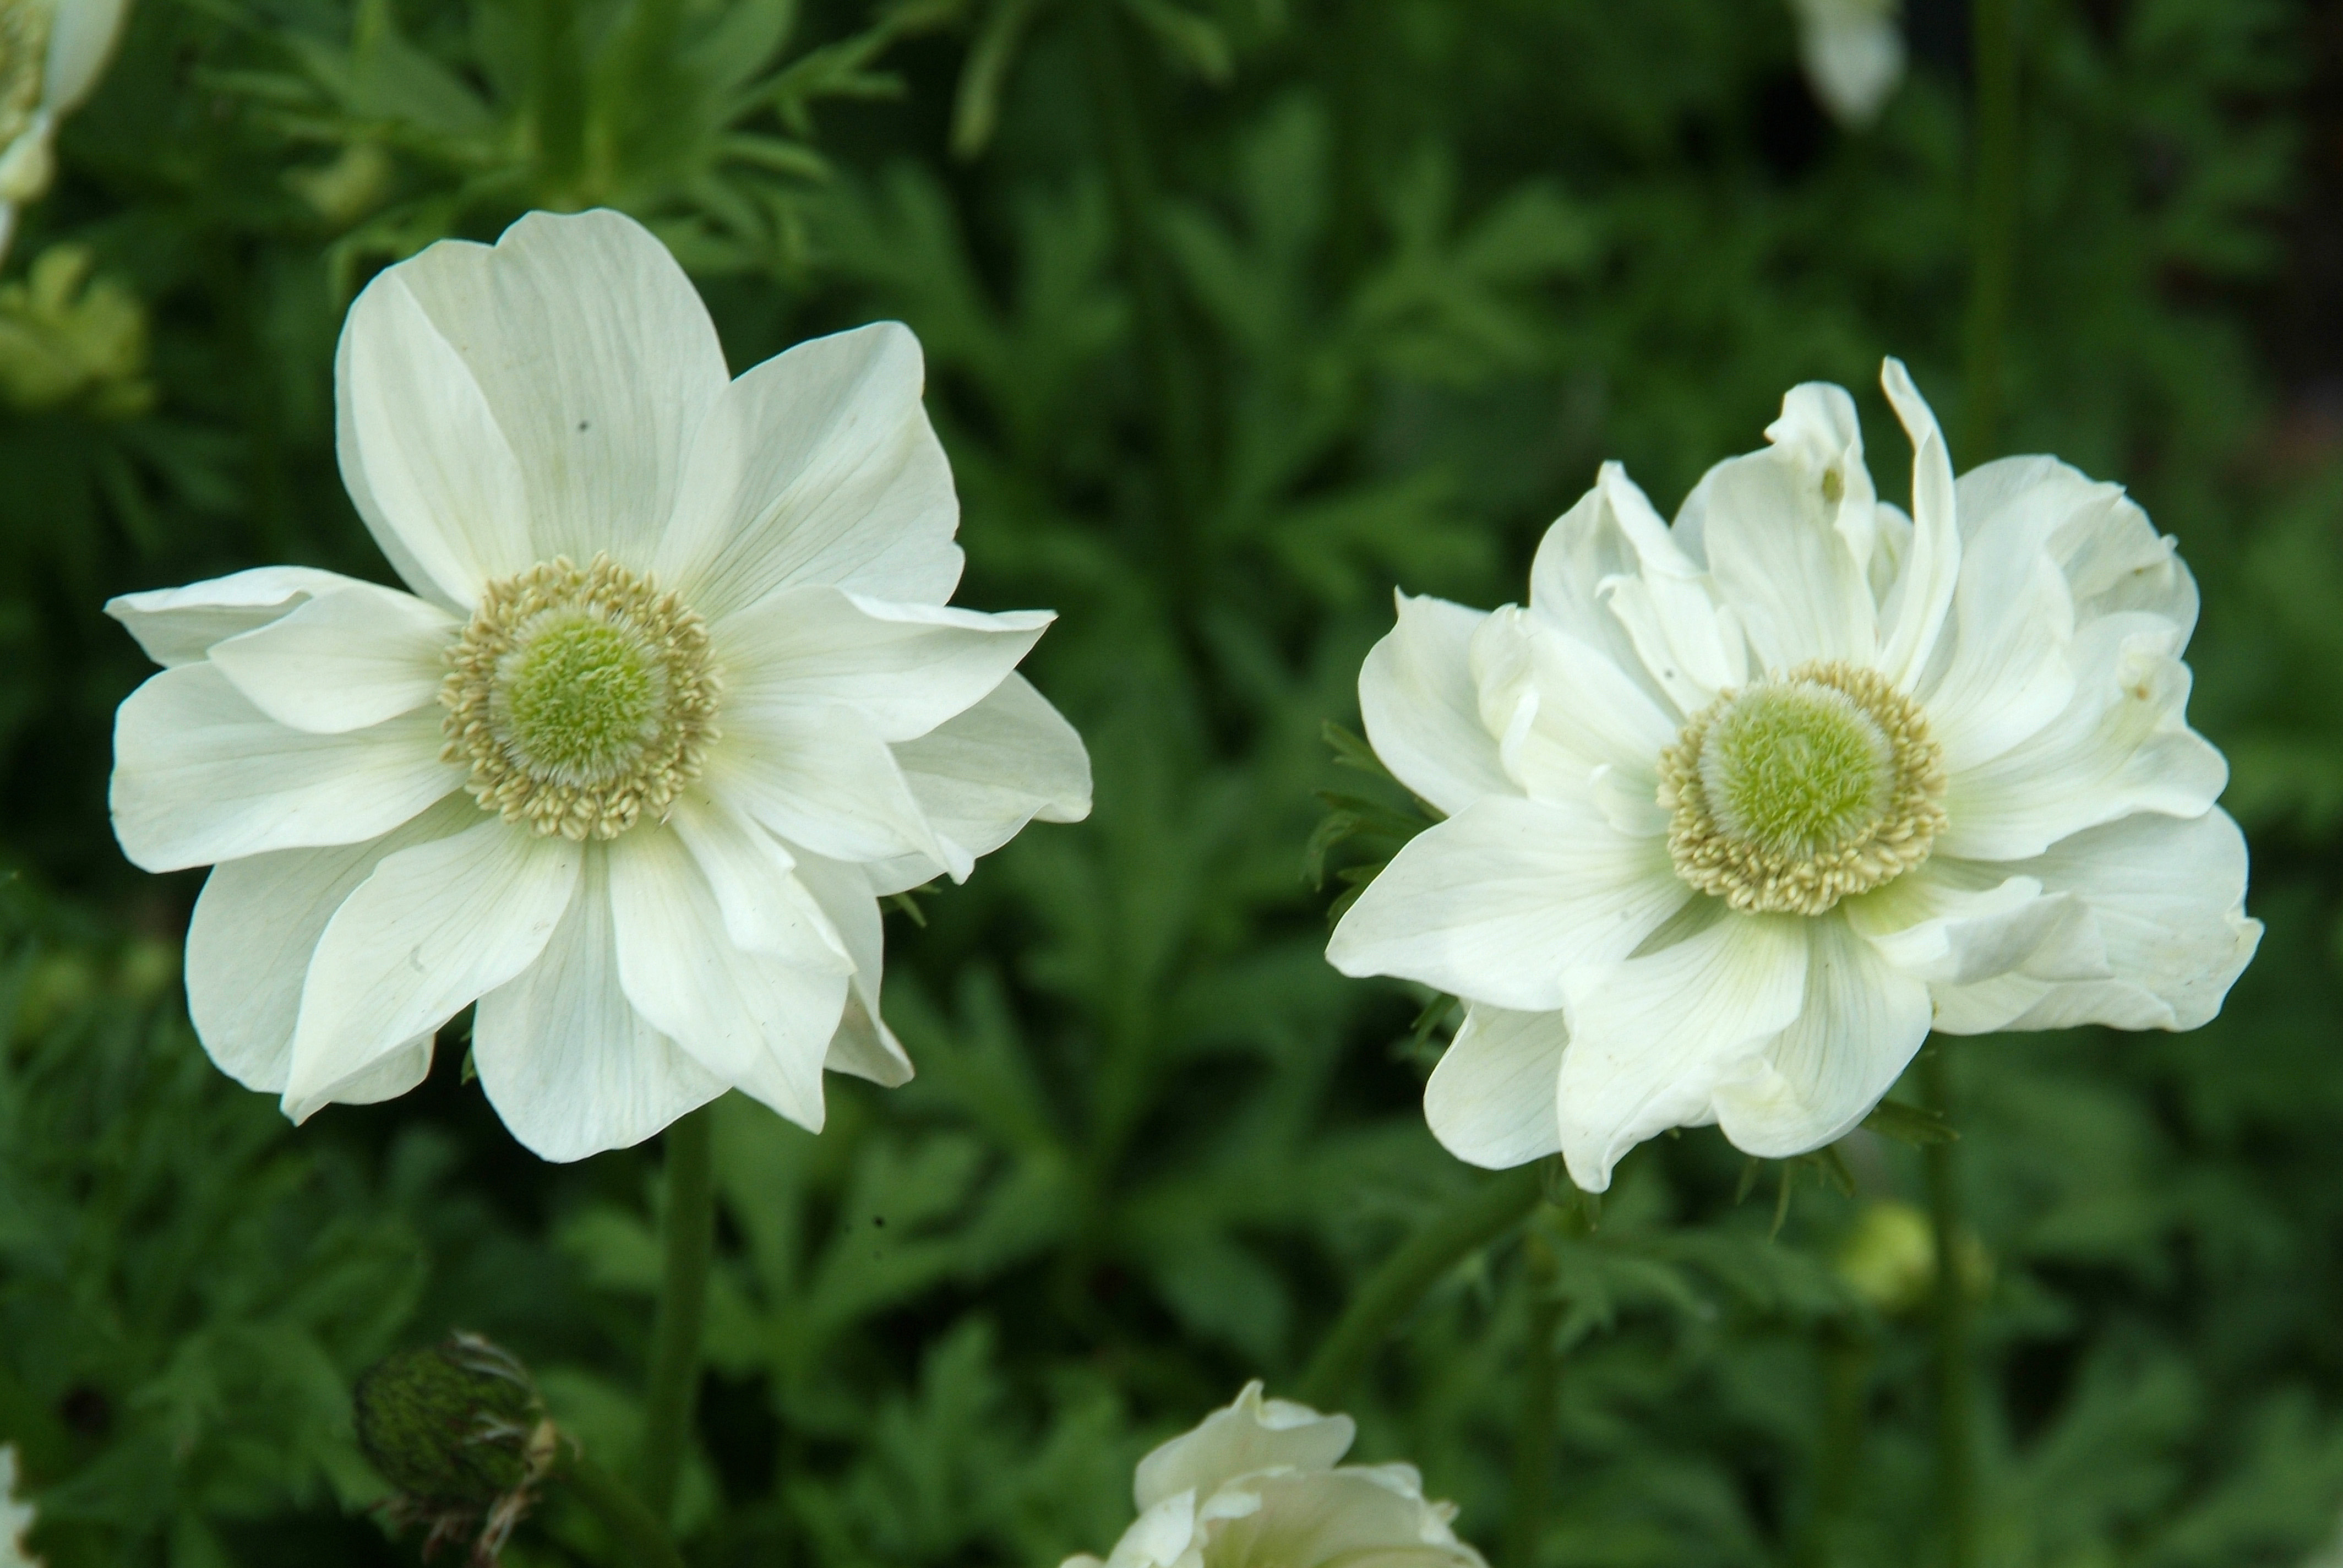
x,y
1795,769
579,699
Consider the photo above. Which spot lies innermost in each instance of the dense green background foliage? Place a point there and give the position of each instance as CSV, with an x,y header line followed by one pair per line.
x,y
1236,316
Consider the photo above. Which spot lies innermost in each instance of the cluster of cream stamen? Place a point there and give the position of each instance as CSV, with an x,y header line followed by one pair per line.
x,y
581,697
1802,789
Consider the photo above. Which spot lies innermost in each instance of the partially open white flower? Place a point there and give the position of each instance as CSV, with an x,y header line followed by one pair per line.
x,y
15,1518
1852,51
1255,1485
676,699
52,53
1739,809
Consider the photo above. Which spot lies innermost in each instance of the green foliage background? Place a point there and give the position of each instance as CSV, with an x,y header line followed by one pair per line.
x,y
1237,314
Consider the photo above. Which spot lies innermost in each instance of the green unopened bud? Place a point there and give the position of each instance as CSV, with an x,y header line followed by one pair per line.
x,y
459,1429
1890,1258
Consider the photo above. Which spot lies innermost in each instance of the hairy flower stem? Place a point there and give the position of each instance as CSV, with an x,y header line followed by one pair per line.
x,y
1393,1291
1534,1433
641,1539
1993,221
689,1232
1949,1310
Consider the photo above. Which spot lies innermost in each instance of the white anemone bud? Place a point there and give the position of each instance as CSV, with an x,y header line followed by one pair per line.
x,y
1853,52
1256,1486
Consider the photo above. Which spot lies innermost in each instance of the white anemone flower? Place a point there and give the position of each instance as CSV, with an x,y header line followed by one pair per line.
x,y
1256,1486
676,699
1738,809
15,1518
52,53
1853,52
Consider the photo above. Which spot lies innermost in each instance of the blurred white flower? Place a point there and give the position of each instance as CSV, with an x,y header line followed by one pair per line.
x,y
1738,809
1852,51
1255,1486
52,53
15,1518
675,699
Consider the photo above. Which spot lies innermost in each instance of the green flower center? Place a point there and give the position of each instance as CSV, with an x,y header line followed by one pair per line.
x,y
1804,789
582,698
1795,767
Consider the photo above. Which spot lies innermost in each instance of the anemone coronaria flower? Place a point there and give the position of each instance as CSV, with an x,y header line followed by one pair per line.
x,y
672,696
1739,808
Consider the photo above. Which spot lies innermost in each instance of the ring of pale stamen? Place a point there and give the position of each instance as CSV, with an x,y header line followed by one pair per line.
x,y
1801,790
581,698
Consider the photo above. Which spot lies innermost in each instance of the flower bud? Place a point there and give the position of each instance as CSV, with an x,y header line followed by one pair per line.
x,y
459,1429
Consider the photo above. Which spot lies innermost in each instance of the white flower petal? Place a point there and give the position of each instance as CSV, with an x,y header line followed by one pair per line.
x,y
1353,1516
905,667
254,928
1778,557
822,778
766,909
2046,549
1163,1536
1249,1435
569,1065
1421,710
1651,1038
2121,745
389,1076
1491,1100
981,777
1959,932
756,1020
422,454
1562,709
1691,646
180,626
432,928
81,40
1861,1023
1507,899
2166,898
594,357
201,776
344,660
863,1045
819,467
1916,608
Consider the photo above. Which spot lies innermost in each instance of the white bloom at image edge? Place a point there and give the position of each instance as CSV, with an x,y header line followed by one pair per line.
x,y
1738,809
1255,1485
676,697
1853,52
15,1518
52,53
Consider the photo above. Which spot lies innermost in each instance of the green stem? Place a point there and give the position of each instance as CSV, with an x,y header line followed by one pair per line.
x,y
689,1232
1393,1290
1949,1309
638,1530
1992,222
1163,342
1847,1356
1534,1434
